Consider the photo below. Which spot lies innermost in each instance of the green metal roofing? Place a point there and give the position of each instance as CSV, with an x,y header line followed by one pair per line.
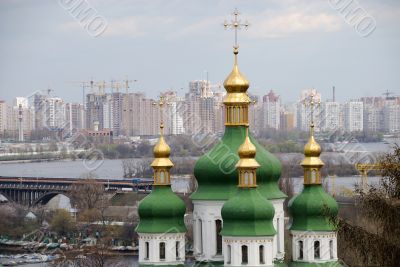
x,y
248,213
217,176
161,212
312,208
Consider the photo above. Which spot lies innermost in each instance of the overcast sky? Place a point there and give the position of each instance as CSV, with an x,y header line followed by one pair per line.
x,y
291,45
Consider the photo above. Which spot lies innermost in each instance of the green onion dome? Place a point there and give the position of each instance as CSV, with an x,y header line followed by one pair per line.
x,y
248,213
312,209
217,176
161,212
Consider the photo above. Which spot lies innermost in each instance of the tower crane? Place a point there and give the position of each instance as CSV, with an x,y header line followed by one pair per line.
x,y
364,168
388,94
84,85
126,81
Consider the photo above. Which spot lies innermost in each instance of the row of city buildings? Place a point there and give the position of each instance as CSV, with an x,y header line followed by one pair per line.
x,y
200,110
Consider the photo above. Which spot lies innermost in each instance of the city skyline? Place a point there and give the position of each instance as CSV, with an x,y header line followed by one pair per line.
x,y
124,114
310,40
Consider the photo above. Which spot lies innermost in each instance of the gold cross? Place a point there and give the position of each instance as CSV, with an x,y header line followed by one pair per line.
x,y
313,104
236,25
160,103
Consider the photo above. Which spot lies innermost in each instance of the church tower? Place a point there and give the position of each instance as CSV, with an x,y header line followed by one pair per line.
x,y
248,231
161,228
314,241
216,173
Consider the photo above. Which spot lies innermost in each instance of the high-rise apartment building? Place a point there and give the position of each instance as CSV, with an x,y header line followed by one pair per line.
x,y
140,115
3,117
303,112
20,119
95,110
173,115
39,107
74,116
271,108
391,116
353,116
54,113
330,116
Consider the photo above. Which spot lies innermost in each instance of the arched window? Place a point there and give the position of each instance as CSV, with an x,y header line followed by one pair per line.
x,y
177,245
331,249
251,178
246,178
278,234
313,176
245,256
200,236
147,251
162,177
300,250
229,254
317,249
162,251
262,254
218,228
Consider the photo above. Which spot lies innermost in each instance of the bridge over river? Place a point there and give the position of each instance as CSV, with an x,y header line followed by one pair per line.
x,y
39,190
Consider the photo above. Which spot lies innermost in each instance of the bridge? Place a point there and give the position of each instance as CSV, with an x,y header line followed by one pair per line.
x,y
39,190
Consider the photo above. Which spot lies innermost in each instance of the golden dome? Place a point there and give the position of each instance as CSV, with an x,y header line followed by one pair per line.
x,y
162,152
162,149
236,82
312,151
247,153
312,148
247,149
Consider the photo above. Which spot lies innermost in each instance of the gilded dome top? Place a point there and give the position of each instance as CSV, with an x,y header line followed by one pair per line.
x,y
247,153
236,82
312,148
312,151
162,152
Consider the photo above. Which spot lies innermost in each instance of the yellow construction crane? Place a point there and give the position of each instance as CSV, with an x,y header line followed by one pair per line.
x,y
364,168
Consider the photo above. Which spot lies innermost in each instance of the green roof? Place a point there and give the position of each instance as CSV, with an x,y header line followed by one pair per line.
x,y
248,213
312,208
216,173
161,212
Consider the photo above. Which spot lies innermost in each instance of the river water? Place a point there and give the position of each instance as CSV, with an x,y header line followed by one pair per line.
x,y
112,168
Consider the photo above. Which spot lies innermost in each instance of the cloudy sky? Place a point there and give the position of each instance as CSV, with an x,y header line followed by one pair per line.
x,y
291,45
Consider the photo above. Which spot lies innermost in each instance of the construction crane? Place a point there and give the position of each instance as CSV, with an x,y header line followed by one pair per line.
x,y
388,94
48,91
101,87
126,81
84,84
364,168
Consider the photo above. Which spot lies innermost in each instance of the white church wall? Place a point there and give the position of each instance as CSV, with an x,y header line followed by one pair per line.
x,y
327,246
233,251
150,248
205,215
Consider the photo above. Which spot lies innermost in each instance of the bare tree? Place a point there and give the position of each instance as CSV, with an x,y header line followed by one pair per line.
x,y
373,238
87,193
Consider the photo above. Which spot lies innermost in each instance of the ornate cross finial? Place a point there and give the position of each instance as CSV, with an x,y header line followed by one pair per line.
x,y
312,102
160,103
236,25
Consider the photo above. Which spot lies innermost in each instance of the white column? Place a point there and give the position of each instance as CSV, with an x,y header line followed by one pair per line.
x,y
279,225
208,212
